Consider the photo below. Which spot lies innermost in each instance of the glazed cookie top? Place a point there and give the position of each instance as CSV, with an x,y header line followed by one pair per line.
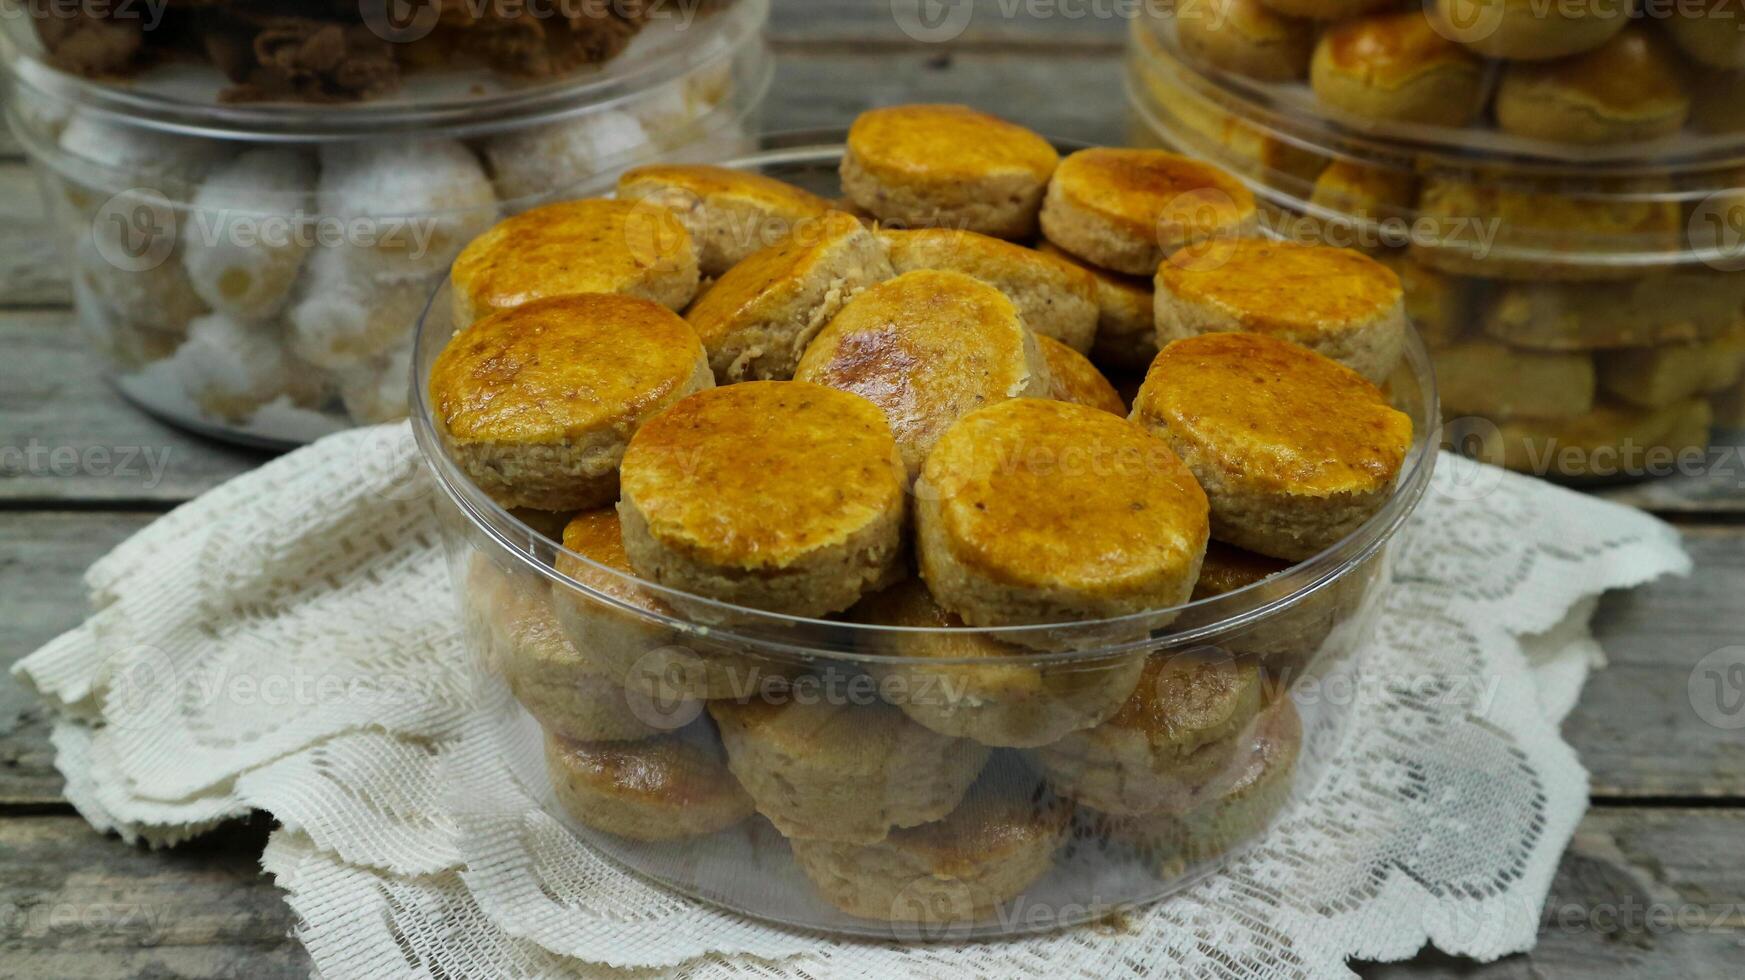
x,y
672,769
704,181
558,369
594,245
1544,217
1283,287
1190,701
1228,568
942,144
756,475
769,275
985,257
1276,414
998,819
1632,75
926,347
1154,194
1048,494
1073,378
1391,50
596,534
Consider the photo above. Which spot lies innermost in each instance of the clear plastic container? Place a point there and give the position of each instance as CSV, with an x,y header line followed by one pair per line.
x,y
1586,311
420,63
909,782
255,272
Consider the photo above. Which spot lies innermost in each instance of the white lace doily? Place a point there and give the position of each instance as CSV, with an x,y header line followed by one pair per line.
x,y
288,643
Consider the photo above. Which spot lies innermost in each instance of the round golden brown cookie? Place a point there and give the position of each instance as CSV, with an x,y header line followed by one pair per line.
x,y
666,788
949,874
1073,378
1178,736
1294,451
1055,298
1654,377
965,683
588,246
759,316
1033,511
1218,822
1529,231
1626,90
1126,330
1291,635
1673,307
1247,37
662,668
784,496
823,767
729,213
1126,209
1439,306
1358,197
1397,67
537,402
1522,30
1709,31
1611,442
1228,568
947,166
1340,303
927,347
1483,377
570,693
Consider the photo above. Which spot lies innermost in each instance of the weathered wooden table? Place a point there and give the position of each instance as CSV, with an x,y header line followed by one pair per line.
x,y
1654,885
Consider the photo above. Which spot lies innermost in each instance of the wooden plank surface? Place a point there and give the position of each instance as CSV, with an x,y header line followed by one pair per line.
x,y
43,557
1648,893
67,436
74,904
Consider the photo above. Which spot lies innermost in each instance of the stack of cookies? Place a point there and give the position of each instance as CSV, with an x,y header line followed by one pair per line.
x,y
1587,320
747,410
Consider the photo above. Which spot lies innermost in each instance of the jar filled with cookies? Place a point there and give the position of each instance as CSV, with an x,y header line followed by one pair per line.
x,y
249,253
855,537
1556,186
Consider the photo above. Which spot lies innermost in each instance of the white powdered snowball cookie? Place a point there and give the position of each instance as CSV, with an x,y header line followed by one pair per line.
x,y
154,296
406,207
231,367
552,157
109,158
378,391
344,317
244,238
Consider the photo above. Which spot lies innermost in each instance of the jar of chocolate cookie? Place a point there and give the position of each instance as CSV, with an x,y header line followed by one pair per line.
x,y
250,242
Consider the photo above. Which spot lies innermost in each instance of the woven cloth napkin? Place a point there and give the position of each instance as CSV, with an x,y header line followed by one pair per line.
x,y
289,643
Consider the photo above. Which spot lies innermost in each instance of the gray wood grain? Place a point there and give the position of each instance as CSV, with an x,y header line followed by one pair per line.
x,y
32,270
65,435
75,904
43,557
1636,727
1640,893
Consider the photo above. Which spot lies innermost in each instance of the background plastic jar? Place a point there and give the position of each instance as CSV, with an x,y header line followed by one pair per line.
x,y
255,271
1585,307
